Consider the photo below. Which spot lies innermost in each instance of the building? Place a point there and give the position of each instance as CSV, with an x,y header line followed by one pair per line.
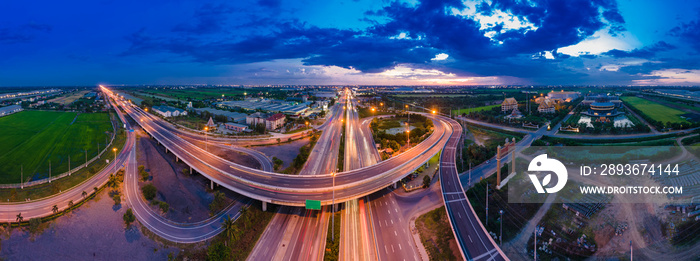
x,y
563,96
546,106
7,110
588,100
236,117
235,127
275,121
271,122
515,114
509,104
167,111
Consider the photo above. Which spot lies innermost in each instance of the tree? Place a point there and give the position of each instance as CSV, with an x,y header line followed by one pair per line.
x,y
229,227
20,218
129,217
70,204
84,194
149,191
426,181
279,140
54,209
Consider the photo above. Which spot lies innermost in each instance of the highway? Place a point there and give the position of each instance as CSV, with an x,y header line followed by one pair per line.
x,y
289,189
355,240
473,240
296,233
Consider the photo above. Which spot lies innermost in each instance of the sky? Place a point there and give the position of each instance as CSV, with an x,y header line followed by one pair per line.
x,y
350,42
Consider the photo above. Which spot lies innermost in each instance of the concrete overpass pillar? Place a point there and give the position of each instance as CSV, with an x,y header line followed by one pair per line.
x,y
190,170
264,206
176,159
166,150
211,184
395,184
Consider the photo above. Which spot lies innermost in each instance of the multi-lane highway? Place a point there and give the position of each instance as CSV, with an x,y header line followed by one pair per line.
x,y
289,189
297,233
473,240
355,240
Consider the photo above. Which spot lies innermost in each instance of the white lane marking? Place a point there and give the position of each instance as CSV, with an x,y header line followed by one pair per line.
x,y
470,239
400,247
392,249
395,233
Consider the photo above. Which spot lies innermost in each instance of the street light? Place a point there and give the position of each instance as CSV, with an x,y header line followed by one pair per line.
x,y
408,140
206,140
333,210
434,111
115,160
500,238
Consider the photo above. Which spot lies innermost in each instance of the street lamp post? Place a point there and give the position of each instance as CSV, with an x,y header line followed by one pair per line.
x,y
115,161
500,238
408,140
206,139
333,211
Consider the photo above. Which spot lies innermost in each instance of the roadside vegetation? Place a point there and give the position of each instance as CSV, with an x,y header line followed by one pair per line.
x,y
333,246
516,215
436,235
390,133
238,238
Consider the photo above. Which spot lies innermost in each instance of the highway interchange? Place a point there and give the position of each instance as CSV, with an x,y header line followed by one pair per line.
x,y
366,232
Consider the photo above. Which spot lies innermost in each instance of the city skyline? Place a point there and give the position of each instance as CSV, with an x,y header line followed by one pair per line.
x,y
350,43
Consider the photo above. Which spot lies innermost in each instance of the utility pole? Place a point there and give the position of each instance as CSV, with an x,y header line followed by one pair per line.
x,y
21,176
68,165
487,204
49,171
86,159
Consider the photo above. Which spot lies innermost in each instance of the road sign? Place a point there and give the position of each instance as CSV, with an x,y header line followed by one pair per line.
x,y
313,204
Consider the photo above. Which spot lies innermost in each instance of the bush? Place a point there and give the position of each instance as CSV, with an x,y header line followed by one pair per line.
x,y
117,199
218,252
34,224
164,207
144,175
149,191
426,181
129,217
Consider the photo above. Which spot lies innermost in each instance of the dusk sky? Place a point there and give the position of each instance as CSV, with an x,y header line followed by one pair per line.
x,y
361,42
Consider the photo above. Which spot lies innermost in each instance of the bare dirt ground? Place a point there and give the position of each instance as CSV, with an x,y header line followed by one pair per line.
x,y
94,231
185,194
285,151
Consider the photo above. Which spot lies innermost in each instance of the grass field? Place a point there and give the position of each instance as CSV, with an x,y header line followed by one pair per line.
x,y
477,109
33,138
655,110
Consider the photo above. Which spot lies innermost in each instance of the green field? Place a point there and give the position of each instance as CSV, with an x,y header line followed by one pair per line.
x,y
33,138
477,109
655,110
